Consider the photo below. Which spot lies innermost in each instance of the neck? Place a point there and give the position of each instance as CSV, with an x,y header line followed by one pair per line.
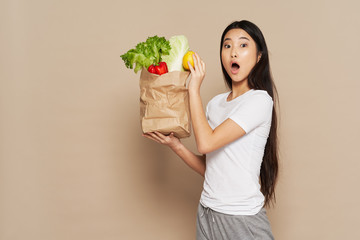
x,y
239,88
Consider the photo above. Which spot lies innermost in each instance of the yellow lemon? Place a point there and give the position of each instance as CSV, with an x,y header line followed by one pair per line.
x,y
188,57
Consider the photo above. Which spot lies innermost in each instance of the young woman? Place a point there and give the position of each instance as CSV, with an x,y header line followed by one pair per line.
x,y
236,137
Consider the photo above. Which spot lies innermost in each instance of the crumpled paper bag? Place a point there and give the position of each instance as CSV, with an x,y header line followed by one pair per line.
x,y
164,103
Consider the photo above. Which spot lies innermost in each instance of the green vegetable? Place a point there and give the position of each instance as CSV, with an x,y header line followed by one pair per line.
x,y
146,53
179,47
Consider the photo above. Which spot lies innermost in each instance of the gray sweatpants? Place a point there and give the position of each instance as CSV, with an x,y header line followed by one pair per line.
x,y
211,225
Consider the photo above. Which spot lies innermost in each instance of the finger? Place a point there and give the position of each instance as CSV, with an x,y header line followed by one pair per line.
x,y
199,62
163,138
160,135
196,61
155,137
150,137
191,67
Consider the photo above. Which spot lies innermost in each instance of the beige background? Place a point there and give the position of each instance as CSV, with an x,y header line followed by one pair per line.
x,y
74,165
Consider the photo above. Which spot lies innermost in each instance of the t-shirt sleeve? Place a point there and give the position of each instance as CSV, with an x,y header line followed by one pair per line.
x,y
256,111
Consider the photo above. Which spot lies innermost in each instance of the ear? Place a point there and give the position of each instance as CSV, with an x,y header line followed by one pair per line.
x,y
259,57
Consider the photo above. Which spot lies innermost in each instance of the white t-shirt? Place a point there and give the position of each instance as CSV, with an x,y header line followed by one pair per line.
x,y
231,184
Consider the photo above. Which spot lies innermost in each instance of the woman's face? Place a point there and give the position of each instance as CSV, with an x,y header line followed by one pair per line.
x,y
239,54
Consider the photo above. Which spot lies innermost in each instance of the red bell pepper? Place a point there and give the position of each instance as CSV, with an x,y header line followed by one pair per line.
x,y
163,68
159,69
151,69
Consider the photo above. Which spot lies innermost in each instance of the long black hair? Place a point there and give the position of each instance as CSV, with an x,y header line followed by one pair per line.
x,y
260,79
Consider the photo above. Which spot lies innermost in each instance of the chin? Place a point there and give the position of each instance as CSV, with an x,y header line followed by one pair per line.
x,y
237,79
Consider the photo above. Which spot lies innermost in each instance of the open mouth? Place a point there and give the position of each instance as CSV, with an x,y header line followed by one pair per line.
x,y
235,68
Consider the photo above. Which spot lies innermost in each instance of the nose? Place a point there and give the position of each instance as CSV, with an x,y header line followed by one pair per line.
x,y
233,54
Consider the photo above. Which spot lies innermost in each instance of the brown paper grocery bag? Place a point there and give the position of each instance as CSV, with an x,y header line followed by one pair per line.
x,y
164,103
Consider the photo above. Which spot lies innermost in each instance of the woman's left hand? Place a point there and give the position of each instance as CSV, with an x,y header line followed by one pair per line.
x,y
197,73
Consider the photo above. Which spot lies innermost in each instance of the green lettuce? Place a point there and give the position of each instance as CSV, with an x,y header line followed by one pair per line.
x,y
179,47
146,53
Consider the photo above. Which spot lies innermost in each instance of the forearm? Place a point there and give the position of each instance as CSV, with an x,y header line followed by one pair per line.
x,y
196,162
201,127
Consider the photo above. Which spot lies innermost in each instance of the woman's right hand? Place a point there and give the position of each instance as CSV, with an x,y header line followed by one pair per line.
x,y
170,140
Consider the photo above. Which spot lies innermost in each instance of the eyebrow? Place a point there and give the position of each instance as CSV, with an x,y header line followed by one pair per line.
x,y
239,38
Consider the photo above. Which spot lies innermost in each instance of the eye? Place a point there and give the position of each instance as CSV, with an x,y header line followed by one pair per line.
x,y
226,46
243,45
